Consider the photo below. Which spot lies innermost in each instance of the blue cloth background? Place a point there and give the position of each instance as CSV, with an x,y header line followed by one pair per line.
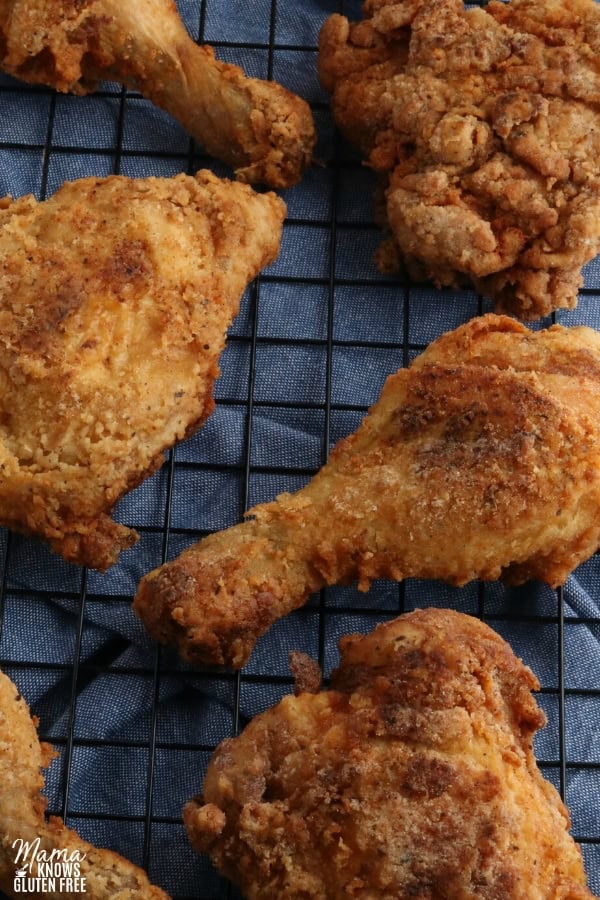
x,y
142,727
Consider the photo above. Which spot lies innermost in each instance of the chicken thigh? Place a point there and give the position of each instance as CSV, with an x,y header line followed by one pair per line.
x,y
413,776
115,298
485,126
26,835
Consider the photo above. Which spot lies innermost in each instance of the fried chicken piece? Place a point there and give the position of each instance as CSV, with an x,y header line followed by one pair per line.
x,y
482,460
263,131
414,776
108,876
485,124
115,297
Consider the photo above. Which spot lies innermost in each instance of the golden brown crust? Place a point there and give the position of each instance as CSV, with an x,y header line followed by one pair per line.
x,y
480,461
115,297
413,776
22,757
259,128
485,123
307,673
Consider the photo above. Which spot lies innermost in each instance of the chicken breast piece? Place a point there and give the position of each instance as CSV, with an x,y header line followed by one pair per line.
x,y
482,460
115,298
414,776
485,125
263,131
25,834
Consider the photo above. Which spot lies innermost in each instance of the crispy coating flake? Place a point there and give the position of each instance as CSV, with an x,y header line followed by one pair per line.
x,y
115,297
485,124
260,129
413,777
482,460
22,757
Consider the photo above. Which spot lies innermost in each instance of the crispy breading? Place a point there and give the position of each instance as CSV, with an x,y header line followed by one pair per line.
x,y
22,819
260,129
115,297
414,776
485,124
482,460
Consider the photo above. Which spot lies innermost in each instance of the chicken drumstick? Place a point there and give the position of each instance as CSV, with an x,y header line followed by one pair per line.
x,y
260,129
482,460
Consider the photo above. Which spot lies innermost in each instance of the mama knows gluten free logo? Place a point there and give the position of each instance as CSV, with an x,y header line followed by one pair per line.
x,y
40,871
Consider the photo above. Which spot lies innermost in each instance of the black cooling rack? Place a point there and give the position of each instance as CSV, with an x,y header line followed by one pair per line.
x,y
317,335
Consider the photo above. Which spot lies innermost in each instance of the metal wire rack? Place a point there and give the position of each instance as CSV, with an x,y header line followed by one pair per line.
x,y
317,335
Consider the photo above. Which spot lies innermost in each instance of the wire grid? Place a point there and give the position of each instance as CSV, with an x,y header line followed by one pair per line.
x,y
317,334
